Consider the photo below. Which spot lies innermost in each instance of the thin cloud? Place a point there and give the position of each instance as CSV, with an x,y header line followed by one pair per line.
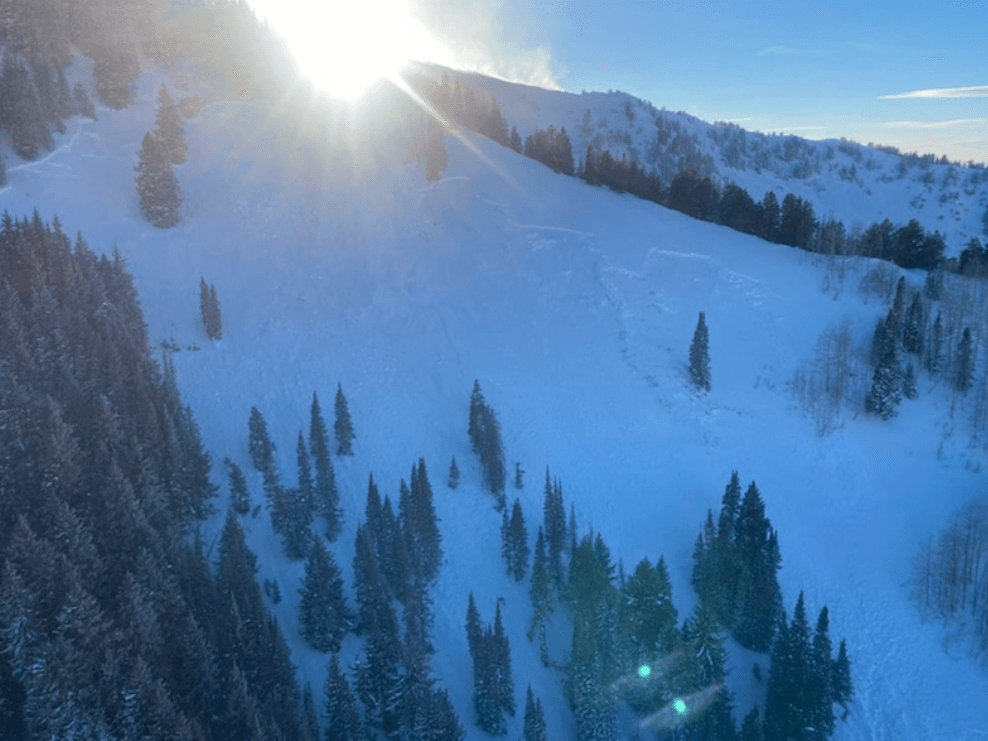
x,y
976,91
935,124
783,50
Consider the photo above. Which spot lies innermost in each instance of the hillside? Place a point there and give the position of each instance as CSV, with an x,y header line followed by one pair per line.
x,y
853,183
574,307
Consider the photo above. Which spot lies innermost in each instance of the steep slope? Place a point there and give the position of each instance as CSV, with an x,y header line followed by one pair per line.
x,y
574,307
856,184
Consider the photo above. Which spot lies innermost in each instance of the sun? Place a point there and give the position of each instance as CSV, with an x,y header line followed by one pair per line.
x,y
344,46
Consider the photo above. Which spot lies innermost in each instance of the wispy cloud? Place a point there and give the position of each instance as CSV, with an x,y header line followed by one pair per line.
x,y
976,91
935,124
783,50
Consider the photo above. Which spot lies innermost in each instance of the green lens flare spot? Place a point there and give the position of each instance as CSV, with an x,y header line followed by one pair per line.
x,y
644,671
679,705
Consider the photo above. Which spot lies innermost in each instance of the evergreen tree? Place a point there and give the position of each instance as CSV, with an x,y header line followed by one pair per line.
x,y
843,687
475,631
788,705
239,496
705,644
519,476
820,684
885,393
912,338
964,364
534,725
168,128
342,718
420,524
751,728
541,589
209,307
485,438
306,500
327,500
699,356
343,425
504,684
514,542
157,186
323,615
934,346
647,616
554,522
759,600
259,443
454,474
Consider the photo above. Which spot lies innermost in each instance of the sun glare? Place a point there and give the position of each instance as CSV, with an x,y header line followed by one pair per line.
x,y
344,46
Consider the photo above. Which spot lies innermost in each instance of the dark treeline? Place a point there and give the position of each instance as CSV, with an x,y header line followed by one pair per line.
x,y
115,622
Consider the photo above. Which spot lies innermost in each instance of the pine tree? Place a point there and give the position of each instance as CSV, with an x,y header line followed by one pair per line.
x,y
239,496
157,186
699,356
885,393
342,718
420,524
964,364
168,128
751,727
821,681
554,523
912,338
788,709
504,683
541,589
843,687
759,598
306,498
534,725
516,542
454,474
519,476
934,346
705,644
327,500
343,425
323,615
259,443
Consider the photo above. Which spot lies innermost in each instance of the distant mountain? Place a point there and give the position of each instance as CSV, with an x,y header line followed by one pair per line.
x,y
851,182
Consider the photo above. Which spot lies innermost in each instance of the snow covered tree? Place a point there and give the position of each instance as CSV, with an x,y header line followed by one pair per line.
x,y
157,186
820,680
514,542
647,615
554,523
239,496
323,614
168,128
420,525
964,362
843,687
912,336
751,727
259,443
327,500
209,307
541,590
759,598
699,356
454,474
343,427
935,346
788,710
484,432
885,393
342,718
534,724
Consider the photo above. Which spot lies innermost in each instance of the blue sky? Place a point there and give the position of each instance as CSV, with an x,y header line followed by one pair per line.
x,y
817,69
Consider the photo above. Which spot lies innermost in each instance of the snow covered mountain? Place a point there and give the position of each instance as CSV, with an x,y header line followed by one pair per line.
x,y
844,180
335,261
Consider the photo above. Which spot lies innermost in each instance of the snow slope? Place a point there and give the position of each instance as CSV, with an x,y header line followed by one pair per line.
x,y
574,307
